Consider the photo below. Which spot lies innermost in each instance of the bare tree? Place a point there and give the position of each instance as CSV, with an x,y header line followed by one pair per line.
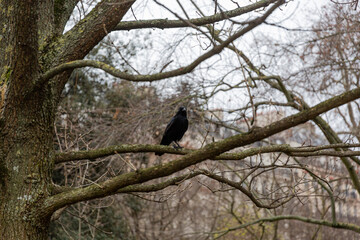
x,y
37,62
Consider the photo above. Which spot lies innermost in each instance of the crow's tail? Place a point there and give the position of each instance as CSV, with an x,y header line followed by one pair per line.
x,y
164,141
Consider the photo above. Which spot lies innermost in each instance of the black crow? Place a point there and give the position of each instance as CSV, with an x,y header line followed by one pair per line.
x,y
175,129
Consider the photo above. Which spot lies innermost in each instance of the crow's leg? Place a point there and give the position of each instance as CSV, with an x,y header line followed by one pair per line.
x,y
178,145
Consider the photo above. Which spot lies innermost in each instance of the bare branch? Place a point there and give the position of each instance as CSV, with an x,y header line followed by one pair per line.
x,y
141,148
238,186
165,23
326,153
340,225
175,181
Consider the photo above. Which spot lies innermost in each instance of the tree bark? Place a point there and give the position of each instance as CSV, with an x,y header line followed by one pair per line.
x,y
27,120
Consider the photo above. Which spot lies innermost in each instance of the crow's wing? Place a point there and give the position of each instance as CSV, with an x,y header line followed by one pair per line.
x,y
185,127
170,125
167,138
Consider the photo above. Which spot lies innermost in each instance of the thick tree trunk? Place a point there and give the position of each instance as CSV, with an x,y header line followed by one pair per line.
x,y
26,124
26,146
